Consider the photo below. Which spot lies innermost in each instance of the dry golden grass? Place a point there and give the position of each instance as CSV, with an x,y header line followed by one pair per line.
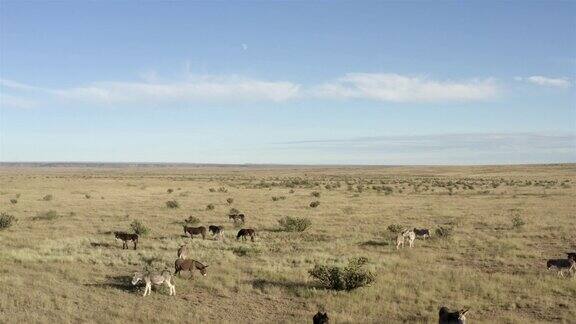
x,y
70,268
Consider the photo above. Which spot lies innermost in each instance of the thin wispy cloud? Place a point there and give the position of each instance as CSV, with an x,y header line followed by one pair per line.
x,y
401,88
546,81
16,102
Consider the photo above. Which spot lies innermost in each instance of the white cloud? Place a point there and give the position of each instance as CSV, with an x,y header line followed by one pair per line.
x,y
400,88
9,101
546,81
10,84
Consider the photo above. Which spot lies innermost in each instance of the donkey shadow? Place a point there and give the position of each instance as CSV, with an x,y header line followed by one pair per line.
x,y
123,283
374,243
100,244
290,285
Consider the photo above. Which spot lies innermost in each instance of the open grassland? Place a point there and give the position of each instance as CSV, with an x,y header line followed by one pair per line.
x,y
60,263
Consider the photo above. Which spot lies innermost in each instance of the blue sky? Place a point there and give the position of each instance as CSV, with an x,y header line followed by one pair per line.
x,y
288,82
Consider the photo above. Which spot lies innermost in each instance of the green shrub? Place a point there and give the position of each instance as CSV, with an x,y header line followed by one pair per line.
x,y
49,215
170,190
294,224
172,204
314,204
6,220
222,189
517,222
47,197
210,207
315,194
139,228
343,278
87,196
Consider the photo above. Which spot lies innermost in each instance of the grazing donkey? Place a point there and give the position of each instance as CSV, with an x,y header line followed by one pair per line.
x,y
243,233
320,318
447,317
407,234
189,265
183,252
125,237
195,231
155,279
237,218
422,233
216,230
562,265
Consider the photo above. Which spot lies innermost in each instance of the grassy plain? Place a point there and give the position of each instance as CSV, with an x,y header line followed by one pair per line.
x,y
69,268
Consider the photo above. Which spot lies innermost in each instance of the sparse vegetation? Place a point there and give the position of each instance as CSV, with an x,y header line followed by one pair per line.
x,y
210,207
230,201
444,232
395,228
315,194
518,222
13,201
191,220
48,215
294,224
314,204
48,197
170,190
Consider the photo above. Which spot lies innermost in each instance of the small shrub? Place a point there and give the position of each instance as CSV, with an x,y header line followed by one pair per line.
x,y
212,190
291,191
172,204
49,215
14,201
276,198
191,220
210,207
444,232
233,211
245,251
87,196
222,189
6,220
314,204
170,190
348,278
517,222
139,228
315,194
47,197
395,228
230,201
294,224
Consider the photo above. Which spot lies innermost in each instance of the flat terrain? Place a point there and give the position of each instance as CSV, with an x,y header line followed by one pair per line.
x,y
66,266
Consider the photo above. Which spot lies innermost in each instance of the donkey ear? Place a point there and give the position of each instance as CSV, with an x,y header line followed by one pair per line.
x,y
206,266
464,311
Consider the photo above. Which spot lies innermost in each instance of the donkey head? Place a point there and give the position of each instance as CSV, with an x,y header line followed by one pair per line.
x,y
320,318
202,269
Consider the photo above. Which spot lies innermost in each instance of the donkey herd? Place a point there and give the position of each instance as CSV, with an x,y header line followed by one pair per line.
x,y
182,263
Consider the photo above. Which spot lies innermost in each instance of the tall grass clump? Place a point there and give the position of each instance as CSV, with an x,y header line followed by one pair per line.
x,y
139,228
6,220
172,204
343,278
294,224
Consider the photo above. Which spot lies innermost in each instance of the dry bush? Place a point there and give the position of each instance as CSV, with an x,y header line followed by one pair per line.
x,y
13,201
315,194
170,190
210,207
139,228
444,232
314,204
395,228
230,201
191,220
172,204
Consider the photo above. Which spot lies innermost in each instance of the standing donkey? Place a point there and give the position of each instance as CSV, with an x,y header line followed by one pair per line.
x,y
155,279
407,234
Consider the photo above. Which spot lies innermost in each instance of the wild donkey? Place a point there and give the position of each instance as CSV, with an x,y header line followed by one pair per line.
x,y
447,317
320,318
422,233
195,231
155,279
183,252
237,218
216,230
407,234
243,233
189,265
125,237
562,265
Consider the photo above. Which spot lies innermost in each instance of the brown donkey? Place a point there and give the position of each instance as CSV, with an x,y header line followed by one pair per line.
x,y
195,231
189,265
125,237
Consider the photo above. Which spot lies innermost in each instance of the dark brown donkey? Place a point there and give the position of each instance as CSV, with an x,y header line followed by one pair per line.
x,y
246,232
189,265
125,237
195,231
